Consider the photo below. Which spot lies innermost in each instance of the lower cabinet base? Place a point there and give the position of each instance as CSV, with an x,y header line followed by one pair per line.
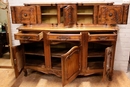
x,y
99,72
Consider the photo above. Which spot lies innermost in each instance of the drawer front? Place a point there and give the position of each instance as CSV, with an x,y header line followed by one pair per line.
x,y
29,36
64,37
102,37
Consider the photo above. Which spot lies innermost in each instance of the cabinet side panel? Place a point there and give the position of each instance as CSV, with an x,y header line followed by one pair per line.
x,y
39,14
13,14
125,13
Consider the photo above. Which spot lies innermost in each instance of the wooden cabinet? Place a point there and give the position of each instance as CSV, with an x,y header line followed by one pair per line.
x,y
112,14
70,14
24,14
67,39
30,36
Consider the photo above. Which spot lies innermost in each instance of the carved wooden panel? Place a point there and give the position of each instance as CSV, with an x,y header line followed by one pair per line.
x,y
23,14
110,14
68,16
70,65
108,63
18,59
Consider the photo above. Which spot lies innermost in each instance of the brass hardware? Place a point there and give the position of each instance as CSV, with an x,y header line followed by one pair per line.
x,y
63,37
102,38
25,37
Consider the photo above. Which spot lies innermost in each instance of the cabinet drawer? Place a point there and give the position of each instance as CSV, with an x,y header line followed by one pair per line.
x,y
29,36
64,37
111,36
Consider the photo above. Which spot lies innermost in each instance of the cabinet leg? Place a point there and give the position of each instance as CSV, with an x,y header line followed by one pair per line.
x,y
25,72
110,78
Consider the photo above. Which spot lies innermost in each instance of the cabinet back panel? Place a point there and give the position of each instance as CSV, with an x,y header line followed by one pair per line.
x,y
85,9
85,19
48,9
49,19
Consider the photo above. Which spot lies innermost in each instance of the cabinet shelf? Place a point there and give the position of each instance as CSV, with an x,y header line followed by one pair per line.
x,y
35,52
92,54
95,65
59,51
49,18
56,63
84,13
49,14
85,19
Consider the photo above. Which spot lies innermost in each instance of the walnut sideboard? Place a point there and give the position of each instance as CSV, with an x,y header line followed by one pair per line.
x,y
67,39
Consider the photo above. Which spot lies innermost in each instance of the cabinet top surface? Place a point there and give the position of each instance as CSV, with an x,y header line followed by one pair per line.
x,y
85,2
74,28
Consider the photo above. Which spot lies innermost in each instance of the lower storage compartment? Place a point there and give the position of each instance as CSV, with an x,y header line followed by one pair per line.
x,y
56,63
95,63
34,60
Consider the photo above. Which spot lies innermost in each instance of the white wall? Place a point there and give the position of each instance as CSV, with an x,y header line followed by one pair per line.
x,y
3,14
123,39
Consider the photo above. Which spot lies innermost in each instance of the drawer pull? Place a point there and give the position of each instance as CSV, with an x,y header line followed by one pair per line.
x,y
63,37
102,38
25,37
25,15
110,15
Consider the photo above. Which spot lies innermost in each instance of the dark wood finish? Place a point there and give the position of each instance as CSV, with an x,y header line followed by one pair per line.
x,y
69,39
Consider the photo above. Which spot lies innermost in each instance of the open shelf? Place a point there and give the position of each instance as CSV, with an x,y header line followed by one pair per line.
x,y
95,54
49,9
34,48
56,63
85,9
85,19
49,14
85,14
49,18
37,51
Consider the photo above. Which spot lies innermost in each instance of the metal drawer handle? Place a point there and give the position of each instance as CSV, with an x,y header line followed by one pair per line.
x,y
102,38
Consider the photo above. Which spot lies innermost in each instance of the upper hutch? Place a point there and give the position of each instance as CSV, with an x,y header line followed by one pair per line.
x,y
67,39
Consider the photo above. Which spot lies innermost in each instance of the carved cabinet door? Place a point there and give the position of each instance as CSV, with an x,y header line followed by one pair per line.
x,y
108,64
110,14
18,59
70,65
69,13
23,14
